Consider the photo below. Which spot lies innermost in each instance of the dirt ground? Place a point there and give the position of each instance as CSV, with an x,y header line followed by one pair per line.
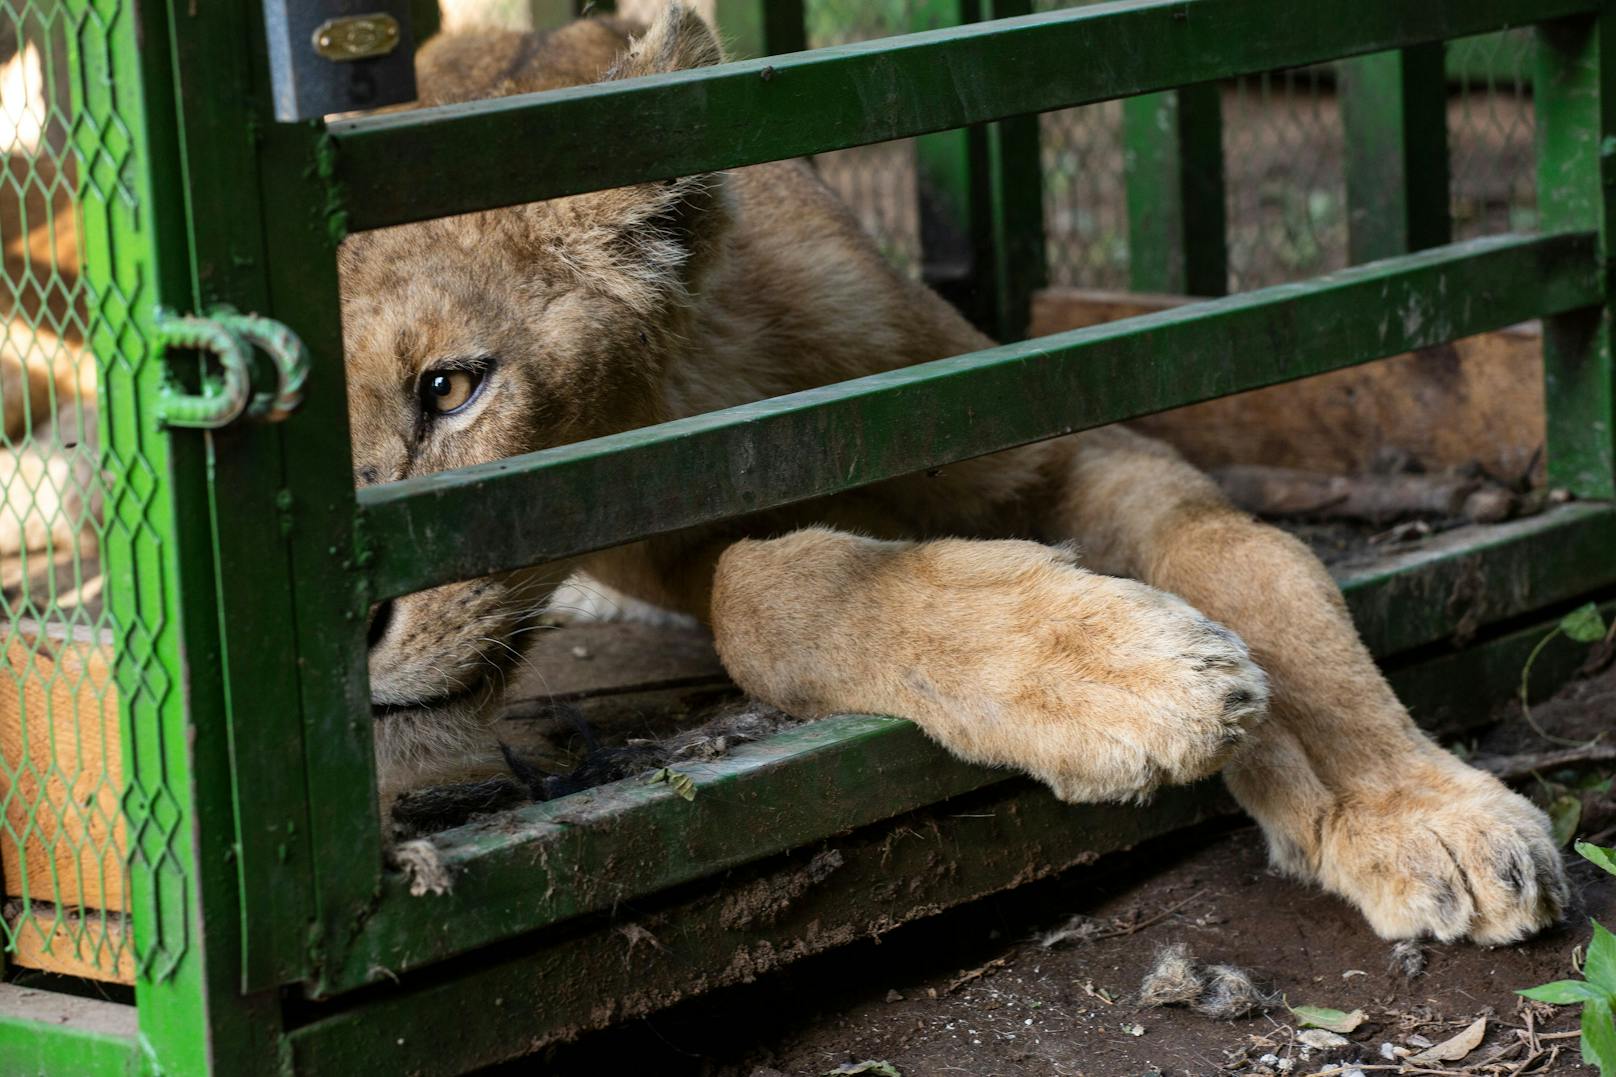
x,y
973,991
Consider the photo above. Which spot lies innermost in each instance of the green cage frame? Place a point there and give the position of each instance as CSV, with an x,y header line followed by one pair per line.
x,y
287,945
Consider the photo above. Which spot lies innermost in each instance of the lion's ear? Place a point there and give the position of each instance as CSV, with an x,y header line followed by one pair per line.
x,y
665,235
678,39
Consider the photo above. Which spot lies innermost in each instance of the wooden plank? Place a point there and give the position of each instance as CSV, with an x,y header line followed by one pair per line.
x,y
93,945
62,772
548,505
1476,401
411,166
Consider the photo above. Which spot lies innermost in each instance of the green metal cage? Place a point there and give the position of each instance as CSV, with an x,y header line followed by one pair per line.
x,y
187,782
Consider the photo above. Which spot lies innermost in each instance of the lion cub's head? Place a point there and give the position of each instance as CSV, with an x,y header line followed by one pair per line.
x,y
479,337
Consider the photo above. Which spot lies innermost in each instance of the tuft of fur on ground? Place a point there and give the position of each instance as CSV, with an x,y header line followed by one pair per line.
x,y
1408,958
1079,928
1174,980
1221,992
1231,993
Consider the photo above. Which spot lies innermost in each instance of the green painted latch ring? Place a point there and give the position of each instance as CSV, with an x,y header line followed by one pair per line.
x,y
229,337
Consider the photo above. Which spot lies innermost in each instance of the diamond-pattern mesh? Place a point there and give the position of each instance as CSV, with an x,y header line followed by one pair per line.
x,y
1491,133
64,187
878,181
1283,151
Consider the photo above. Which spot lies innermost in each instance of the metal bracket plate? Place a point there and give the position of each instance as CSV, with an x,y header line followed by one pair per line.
x,y
330,56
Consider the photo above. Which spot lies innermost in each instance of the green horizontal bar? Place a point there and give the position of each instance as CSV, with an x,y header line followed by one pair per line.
x,y
551,987
554,985
554,861
50,1034
459,158
552,504
1454,583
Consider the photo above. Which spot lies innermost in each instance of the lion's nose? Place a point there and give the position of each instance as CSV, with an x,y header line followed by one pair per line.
x,y
380,617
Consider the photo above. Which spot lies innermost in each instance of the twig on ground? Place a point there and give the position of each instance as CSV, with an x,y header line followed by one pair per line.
x,y
1525,764
975,974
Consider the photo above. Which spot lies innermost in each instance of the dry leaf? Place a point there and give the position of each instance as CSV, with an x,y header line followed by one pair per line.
x,y
1455,1048
1322,1040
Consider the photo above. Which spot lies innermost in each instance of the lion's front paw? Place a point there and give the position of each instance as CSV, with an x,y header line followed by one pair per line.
x,y
1166,698
1453,855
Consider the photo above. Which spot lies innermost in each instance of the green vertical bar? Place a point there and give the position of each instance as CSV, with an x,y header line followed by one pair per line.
x,y
425,19
980,192
754,28
220,70
1177,209
329,599
1394,114
1576,130
157,552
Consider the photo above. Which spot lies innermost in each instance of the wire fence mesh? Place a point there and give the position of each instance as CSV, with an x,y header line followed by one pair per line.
x,y
1283,152
62,833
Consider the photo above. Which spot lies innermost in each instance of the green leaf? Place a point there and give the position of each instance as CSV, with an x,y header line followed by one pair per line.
x,y
1600,966
1565,812
1605,858
1565,992
882,1068
1599,1037
1584,624
1326,1018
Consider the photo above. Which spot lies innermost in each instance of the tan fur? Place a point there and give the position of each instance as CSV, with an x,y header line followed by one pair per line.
x,y
921,596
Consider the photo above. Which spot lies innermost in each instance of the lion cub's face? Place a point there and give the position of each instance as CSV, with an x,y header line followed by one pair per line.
x,y
480,337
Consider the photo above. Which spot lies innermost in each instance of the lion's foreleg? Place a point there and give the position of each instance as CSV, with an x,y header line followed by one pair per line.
x,y
1006,652
1348,790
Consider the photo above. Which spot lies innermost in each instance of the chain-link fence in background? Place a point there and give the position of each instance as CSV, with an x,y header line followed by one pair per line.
x,y
1283,151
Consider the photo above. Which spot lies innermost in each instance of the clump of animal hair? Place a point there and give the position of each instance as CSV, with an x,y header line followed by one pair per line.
x,y
1408,958
1173,980
1079,928
423,865
1221,992
1232,993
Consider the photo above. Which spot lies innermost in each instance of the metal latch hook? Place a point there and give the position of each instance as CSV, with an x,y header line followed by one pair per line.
x,y
229,338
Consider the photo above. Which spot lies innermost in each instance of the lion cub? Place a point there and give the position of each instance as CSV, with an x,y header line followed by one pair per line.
x,y
952,598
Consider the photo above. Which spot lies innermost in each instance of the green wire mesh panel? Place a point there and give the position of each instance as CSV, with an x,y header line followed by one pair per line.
x,y
76,278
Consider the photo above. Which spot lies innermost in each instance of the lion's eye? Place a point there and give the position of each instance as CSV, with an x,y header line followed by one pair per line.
x,y
444,392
